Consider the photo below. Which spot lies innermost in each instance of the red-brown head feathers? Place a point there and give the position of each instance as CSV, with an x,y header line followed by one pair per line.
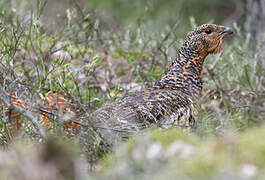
x,y
206,39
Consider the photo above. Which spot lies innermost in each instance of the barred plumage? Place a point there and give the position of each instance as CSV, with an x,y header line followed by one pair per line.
x,y
172,100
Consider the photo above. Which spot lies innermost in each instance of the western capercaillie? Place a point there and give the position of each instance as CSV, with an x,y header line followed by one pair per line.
x,y
171,101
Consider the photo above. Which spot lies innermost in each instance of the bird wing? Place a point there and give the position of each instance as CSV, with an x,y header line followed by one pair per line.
x,y
140,110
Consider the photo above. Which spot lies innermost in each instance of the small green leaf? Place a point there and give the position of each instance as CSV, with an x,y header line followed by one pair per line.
x,y
36,24
116,90
67,65
57,60
113,94
86,67
98,58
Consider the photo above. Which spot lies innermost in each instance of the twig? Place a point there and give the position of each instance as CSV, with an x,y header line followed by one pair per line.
x,y
4,141
159,47
248,106
28,114
213,78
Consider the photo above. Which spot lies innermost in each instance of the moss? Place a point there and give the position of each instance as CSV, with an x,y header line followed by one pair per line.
x,y
122,151
209,158
166,137
206,162
108,160
251,147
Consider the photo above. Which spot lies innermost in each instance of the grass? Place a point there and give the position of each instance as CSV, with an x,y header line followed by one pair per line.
x,y
91,65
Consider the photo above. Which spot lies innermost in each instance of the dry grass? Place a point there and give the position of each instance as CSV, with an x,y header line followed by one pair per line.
x,y
90,65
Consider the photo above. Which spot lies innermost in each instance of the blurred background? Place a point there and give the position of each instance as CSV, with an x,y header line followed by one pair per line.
x,y
115,14
89,52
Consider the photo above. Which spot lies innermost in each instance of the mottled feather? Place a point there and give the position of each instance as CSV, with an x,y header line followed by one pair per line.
x,y
172,100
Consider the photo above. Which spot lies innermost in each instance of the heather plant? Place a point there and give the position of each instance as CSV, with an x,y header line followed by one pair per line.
x,y
91,55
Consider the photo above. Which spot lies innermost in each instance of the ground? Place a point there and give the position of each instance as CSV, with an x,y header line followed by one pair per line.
x,y
90,57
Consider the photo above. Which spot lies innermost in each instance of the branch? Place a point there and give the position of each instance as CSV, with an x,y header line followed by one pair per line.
x,y
28,114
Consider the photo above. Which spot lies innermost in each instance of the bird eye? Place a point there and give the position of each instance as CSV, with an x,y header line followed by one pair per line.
x,y
208,31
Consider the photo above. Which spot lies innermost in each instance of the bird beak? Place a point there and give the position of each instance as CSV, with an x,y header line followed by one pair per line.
x,y
227,31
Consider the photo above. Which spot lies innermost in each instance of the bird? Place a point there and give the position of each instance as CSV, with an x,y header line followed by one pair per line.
x,y
172,100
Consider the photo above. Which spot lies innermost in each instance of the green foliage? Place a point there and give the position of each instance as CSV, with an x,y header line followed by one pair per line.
x,y
188,157
114,93
97,51
167,137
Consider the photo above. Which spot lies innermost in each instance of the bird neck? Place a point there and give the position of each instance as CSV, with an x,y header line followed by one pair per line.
x,y
184,74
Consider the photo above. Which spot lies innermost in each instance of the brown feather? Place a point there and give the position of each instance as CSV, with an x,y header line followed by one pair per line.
x,y
172,100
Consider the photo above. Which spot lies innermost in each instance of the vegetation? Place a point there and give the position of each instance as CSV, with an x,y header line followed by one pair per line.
x,y
92,53
188,157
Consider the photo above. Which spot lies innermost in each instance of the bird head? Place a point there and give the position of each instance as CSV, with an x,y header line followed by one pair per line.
x,y
207,39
